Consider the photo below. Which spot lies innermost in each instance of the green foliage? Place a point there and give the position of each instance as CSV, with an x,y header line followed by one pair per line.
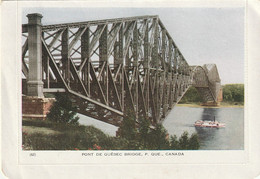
x,y
233,93
49,95
37,123
184,141
144,131
70,137
194,142
77,137
127,128
62,110
147,138
174,143
158,138
192,95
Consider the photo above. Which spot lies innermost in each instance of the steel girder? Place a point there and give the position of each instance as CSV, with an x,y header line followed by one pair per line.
x,y
110,67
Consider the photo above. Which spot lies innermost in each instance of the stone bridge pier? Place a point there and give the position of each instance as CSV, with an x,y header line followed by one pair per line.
x,y
34,104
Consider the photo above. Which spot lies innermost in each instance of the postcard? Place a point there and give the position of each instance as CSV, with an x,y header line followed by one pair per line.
x,y
141,90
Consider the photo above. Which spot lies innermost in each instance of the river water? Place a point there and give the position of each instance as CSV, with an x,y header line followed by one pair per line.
x,y
182,119
229,138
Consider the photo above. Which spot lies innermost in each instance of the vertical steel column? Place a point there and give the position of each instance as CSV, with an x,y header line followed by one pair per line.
x,y
65,55
118,48
170,60
120,61
135,46
103,57
146,47
35,83
116,54
181,69
48,71
175,61
43,63
45,68
170,69
165,85
155,61
127,58
103,47
163,48
85,55
120,44
135,65
146,65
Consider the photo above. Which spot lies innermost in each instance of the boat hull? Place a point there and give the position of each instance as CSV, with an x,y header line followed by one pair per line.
x,y
209,124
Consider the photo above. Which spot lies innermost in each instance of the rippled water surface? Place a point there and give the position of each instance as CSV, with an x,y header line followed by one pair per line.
x,y
182,119
229,138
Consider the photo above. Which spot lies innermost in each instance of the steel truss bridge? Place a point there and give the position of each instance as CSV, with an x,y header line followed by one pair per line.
x,y
111,67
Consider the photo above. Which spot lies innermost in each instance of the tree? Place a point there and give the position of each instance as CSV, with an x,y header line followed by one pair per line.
x,y
144,131
184,141
227,94
127,129
174,143
158,138
63,111
142,136
194,142
233,93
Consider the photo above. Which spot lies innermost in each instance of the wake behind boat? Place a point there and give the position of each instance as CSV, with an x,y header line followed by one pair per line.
x,y
212,124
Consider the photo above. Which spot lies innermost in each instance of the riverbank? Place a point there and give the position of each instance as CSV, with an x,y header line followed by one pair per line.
x,y
222,105
46,135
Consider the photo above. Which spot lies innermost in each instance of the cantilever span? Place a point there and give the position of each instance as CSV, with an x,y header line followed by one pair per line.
x,y
112,67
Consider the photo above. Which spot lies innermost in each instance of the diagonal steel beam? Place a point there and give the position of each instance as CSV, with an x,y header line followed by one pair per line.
x,y
77,37
56,38
75,73
97,35
111,80
112,38
96,102
96,82
128,39
25,69
53,63
128,94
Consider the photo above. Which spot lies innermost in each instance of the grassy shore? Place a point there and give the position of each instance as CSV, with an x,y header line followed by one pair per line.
x,y
222,105
46,135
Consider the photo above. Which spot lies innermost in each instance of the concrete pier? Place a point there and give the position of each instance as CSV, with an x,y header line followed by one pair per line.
x,y
35,83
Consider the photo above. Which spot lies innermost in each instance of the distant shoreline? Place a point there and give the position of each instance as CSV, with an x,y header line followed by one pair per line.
x,y
222,105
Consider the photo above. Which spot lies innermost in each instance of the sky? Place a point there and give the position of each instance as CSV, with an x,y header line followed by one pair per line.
x,y
203,35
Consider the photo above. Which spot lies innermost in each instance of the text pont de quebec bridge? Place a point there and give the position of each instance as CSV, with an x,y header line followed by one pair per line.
x,y
110,67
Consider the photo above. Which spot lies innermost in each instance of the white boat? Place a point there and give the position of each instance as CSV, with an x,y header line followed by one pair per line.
x,y
211,124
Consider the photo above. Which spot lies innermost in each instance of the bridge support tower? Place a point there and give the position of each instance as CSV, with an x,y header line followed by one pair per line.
x,y
34,83
34,104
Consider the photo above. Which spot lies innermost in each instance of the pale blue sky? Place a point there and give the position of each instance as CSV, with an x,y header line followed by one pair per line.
x,y
203,35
